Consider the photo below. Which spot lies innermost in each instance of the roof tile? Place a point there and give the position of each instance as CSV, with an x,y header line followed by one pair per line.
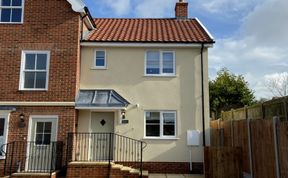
x,y
149,30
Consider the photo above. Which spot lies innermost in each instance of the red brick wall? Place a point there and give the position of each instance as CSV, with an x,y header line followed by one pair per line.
x,y
48,25
97,171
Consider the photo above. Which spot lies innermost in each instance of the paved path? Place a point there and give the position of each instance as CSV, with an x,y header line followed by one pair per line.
x,y
175,176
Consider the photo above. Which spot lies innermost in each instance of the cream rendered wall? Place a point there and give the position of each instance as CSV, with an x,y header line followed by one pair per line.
x,y
125,74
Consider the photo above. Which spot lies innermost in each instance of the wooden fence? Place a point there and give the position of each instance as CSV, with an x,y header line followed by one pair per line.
x,y
262,133
218,162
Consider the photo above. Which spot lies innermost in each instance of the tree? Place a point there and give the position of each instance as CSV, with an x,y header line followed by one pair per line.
x,y
277,84
229,91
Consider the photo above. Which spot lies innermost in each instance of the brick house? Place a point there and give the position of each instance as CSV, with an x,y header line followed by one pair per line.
x,y
143,88
40,58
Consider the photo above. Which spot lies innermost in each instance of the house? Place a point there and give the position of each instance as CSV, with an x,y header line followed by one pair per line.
x,y
143,80
98,97
40,61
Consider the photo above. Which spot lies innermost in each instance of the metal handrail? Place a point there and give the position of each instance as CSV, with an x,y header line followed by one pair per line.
x,y
108,147
30,156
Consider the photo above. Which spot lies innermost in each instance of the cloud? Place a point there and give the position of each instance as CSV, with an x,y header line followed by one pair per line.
x,y
259,49
120,7
155,8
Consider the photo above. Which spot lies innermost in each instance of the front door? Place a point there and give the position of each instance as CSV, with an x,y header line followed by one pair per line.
x,y
42,145
102,125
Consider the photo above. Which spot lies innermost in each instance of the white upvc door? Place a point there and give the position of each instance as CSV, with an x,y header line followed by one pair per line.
x,y
41,145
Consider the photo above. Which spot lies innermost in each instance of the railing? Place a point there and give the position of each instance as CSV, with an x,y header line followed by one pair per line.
x,y
105,147
32,157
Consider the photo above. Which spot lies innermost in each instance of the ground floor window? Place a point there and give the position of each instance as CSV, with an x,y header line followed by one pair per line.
x,y
160,124
3,133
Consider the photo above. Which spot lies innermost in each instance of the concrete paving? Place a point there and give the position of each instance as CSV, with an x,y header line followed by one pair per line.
x,y
175,176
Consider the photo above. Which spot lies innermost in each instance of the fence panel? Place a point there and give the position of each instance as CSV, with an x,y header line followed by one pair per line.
x,y
215,137
283,148
240,129
222,162
263,150
226,125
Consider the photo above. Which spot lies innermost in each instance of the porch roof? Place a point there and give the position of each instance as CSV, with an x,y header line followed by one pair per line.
x,y
100,99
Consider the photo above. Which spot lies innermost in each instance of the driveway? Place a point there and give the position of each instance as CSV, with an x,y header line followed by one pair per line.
x,y
175,176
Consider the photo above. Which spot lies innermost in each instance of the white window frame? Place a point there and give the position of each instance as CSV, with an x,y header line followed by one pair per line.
x,y
161,63
161,125
94,60
6,116
13,7
23,62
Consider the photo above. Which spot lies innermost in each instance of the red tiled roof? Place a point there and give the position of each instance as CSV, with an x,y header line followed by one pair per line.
x,y
149,30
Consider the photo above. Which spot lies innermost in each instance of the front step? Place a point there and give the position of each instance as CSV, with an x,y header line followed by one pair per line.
x,y
102,170
34,175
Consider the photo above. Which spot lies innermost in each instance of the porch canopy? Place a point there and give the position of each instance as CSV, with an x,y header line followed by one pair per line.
x,y
100,99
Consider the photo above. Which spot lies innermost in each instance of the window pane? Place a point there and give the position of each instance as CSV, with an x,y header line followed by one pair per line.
x,y
47,139
168,62
153,62
6,2
153,124
16,2
16,15
100,58
153,130
152,118
30,61
41,61
100,62
169,130
39,139
40,79
48,126
2,122
39,127
169,124
5,15
29,79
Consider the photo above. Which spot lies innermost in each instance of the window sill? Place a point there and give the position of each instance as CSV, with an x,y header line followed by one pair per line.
x,y
99,68
168,76
11,23
161,138
2,157
43,90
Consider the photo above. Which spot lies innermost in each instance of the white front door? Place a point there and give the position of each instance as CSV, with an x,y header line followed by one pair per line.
x,y
102,125
3,133
41,145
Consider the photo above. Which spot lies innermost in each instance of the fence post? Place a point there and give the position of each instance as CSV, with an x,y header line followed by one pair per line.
x,y
250,147
232,127
276,146
285,109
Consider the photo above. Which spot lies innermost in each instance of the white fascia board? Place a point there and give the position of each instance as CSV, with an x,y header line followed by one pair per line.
x,y
15,103
209,34
161,45
77,5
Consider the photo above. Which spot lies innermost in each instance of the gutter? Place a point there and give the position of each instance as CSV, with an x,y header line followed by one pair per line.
x,y
202,92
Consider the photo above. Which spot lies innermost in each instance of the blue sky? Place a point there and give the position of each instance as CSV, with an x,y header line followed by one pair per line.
x,y
251,35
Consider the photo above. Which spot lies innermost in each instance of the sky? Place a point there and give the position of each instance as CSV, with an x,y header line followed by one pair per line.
x,y
251,35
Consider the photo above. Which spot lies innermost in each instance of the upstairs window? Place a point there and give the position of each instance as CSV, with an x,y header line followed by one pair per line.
x,y
160,63
100,59
34,70
11,11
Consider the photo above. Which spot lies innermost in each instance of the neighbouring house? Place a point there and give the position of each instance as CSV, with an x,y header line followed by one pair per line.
x,y
143,81
99,97
40,61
